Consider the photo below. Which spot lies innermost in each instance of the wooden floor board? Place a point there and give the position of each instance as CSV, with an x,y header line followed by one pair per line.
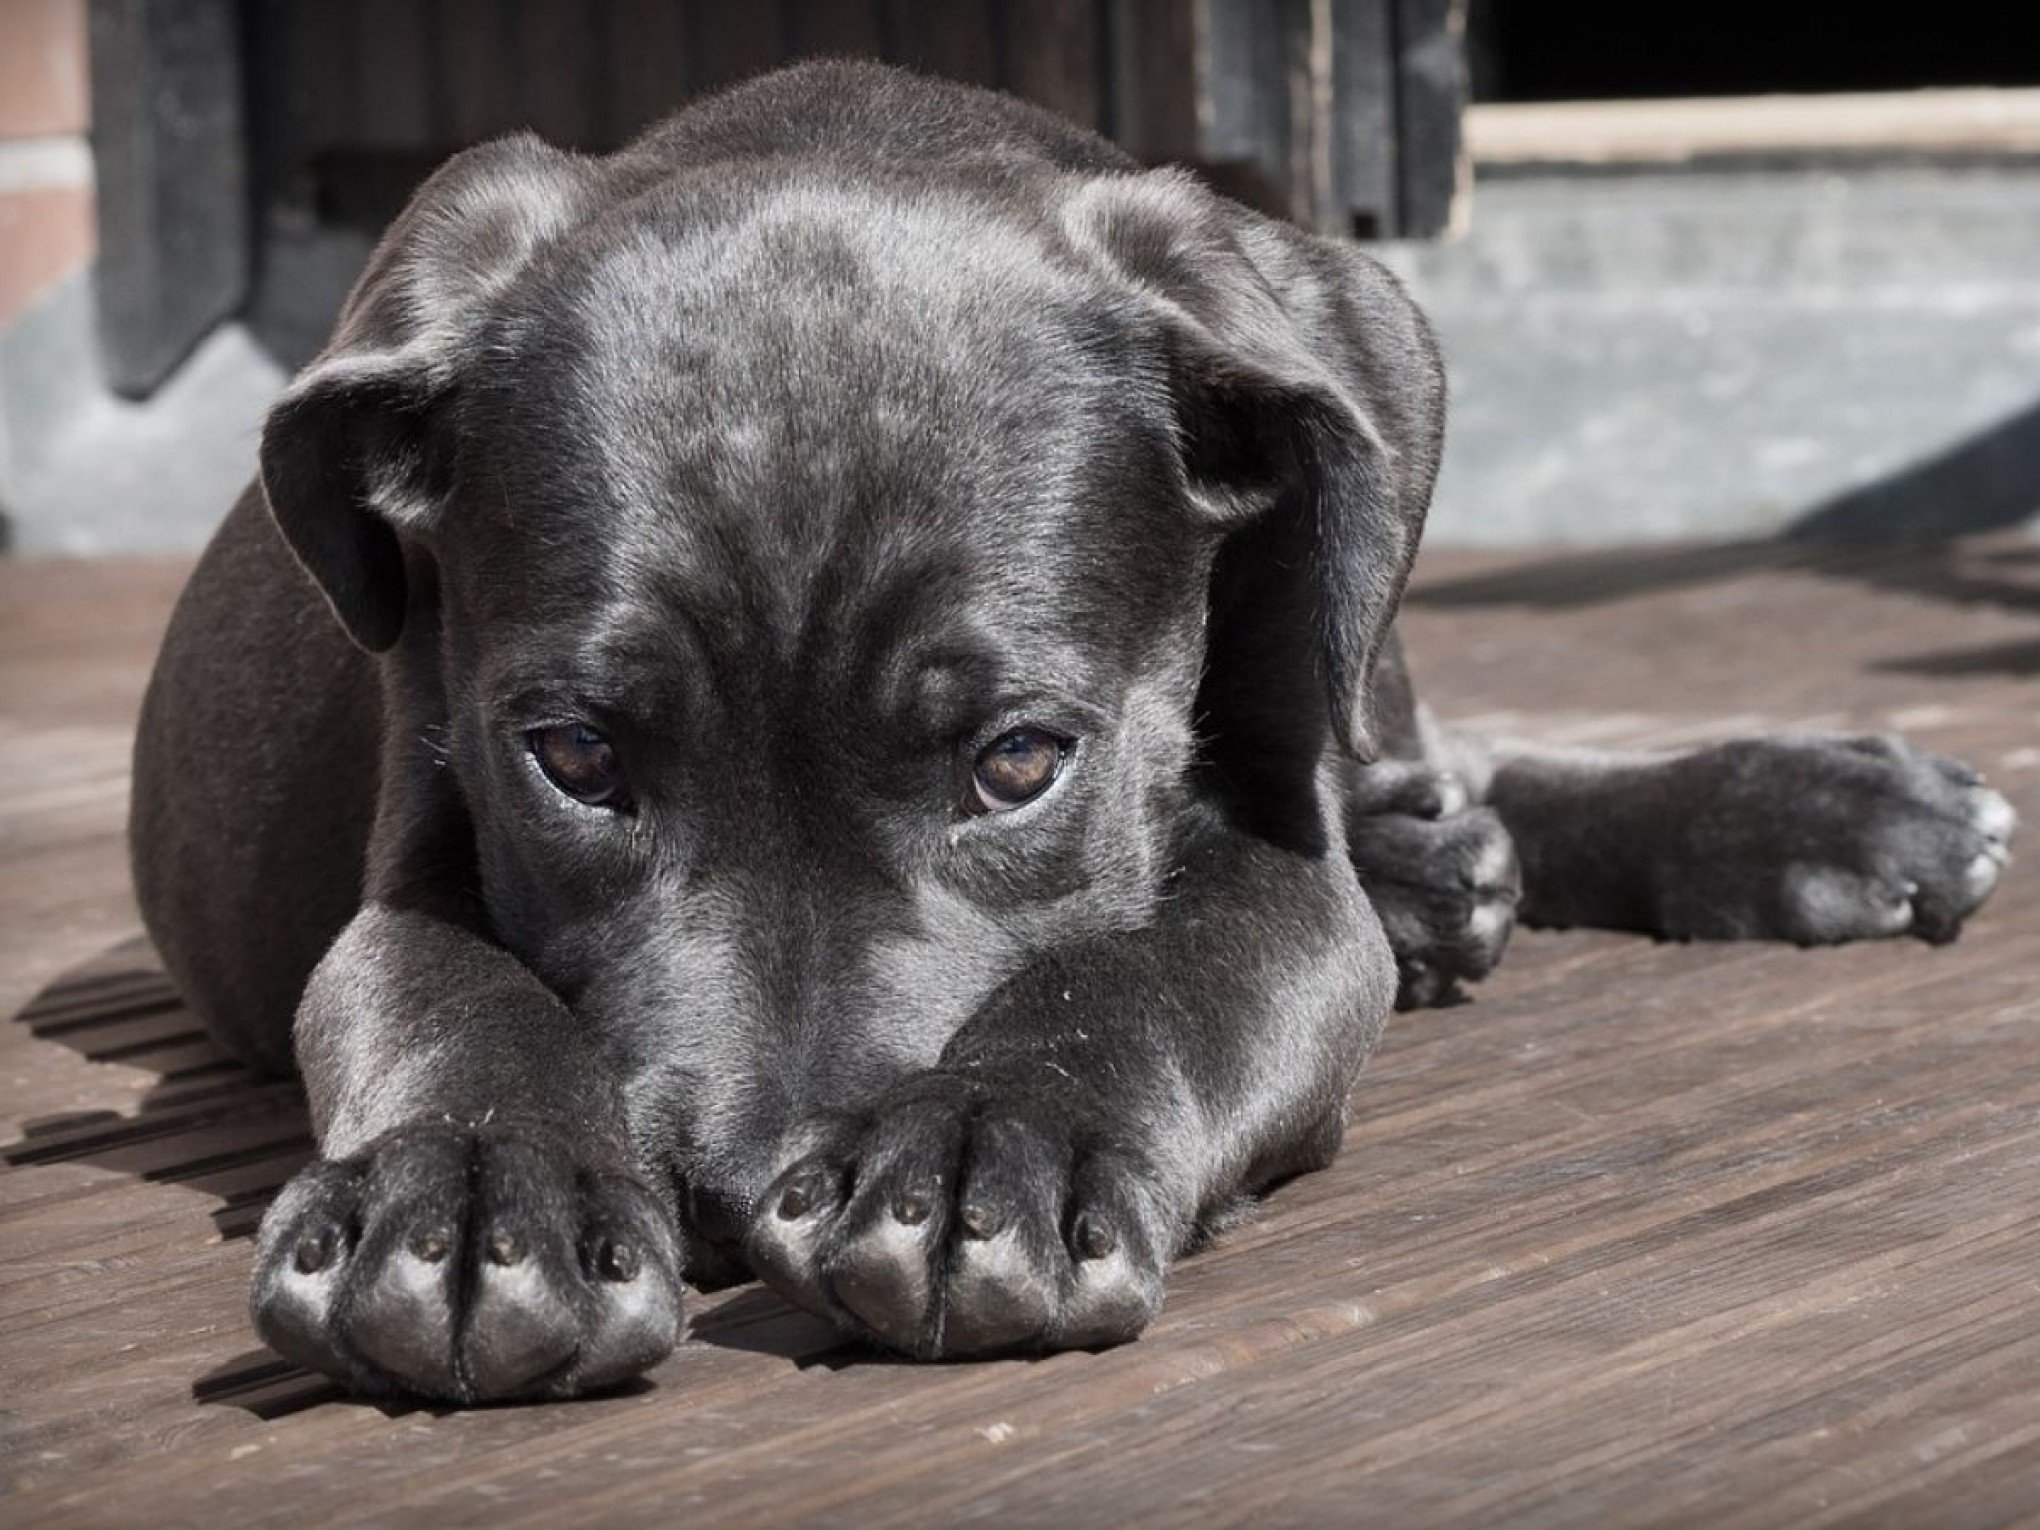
x,y
1645,1235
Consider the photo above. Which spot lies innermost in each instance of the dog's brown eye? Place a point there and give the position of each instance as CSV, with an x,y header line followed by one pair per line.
x,y
581,763
1016,767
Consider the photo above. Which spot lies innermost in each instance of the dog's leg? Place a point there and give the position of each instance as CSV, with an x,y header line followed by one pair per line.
x,y
477,1226
1440,870
1031,1190
1814,838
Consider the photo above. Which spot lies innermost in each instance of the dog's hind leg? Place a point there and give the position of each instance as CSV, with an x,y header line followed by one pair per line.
x,y
1813,838
254,787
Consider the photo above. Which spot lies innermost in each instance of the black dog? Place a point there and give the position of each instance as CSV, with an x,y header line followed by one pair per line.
x,y
867,612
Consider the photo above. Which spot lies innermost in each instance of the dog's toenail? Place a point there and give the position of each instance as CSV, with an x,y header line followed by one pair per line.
x,y
503,1248
619,1261
979,1221
430,1247
1451,796
314,1251
1095,1238
912,1208
796,1202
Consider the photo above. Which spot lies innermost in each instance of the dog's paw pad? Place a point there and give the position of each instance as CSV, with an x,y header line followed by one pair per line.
x,y
457,1266
974,1225
1446,890
1846,838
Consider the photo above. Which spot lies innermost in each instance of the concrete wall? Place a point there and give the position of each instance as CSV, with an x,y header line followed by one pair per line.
x,y
1715,354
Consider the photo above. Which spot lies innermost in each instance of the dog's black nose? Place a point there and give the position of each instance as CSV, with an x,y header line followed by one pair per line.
x,y
718,1213
714,1219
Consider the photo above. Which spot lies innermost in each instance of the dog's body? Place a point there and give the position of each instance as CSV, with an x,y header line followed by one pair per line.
x,y
866,614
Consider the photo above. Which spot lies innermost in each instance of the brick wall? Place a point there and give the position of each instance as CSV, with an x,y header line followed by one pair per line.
x,y
46,222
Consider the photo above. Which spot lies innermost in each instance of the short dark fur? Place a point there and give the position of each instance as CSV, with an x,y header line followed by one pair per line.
x,y
840,423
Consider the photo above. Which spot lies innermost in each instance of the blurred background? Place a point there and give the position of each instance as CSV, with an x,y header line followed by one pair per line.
x,y
1702,272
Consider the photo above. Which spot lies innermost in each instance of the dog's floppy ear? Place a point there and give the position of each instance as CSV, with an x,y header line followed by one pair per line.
x,y
1295,365
358,452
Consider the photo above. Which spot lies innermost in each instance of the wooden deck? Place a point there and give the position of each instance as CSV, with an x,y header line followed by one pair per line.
x,y
1646,1235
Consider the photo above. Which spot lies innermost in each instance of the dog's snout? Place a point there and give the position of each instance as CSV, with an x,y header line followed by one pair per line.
x,y
714,1218
720,1214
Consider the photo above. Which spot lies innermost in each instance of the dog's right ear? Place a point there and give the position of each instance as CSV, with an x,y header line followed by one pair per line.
x,y
1297,369
358,454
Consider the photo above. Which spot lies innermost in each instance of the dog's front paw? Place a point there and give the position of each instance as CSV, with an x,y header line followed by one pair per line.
x,y
468,1266
1443,877
956,1219
1820,838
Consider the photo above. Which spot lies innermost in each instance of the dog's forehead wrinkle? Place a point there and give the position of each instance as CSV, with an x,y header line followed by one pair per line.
x,y
760,444
822,331
871,625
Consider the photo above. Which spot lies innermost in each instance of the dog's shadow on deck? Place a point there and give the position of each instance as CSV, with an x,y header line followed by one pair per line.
x,y
206,1122
1896,533
209,1124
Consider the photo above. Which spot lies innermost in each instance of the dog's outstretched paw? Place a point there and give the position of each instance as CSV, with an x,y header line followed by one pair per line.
x,y
1826,838
468,1266
956,1219
1443,877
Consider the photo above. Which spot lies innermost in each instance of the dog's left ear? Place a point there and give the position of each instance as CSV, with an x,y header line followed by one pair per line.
x,y
358,455
1295,364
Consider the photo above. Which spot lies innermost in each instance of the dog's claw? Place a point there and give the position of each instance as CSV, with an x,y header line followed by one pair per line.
x,y
911,1208
1095,1237
315,1250
619,1261
399,1303
1885,839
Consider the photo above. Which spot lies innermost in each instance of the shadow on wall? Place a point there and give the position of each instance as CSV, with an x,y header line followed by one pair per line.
x,y
1988,482
1893,534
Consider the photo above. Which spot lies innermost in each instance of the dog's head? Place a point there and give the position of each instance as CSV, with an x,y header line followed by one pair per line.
x,y
807,581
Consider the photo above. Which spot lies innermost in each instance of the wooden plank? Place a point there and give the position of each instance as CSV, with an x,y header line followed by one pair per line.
x,y
733,39
1365,201
650,63
394,93
835,28
957,39
1054,54
171,180
1250,55
478,74
1646,1234
1433,172
1966,123
1154,61
557,46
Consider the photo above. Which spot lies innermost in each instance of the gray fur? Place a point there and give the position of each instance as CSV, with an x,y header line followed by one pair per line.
x,y
834,428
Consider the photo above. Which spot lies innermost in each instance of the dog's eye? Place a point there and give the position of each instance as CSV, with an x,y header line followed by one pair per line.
x,y
1016,767
581,763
